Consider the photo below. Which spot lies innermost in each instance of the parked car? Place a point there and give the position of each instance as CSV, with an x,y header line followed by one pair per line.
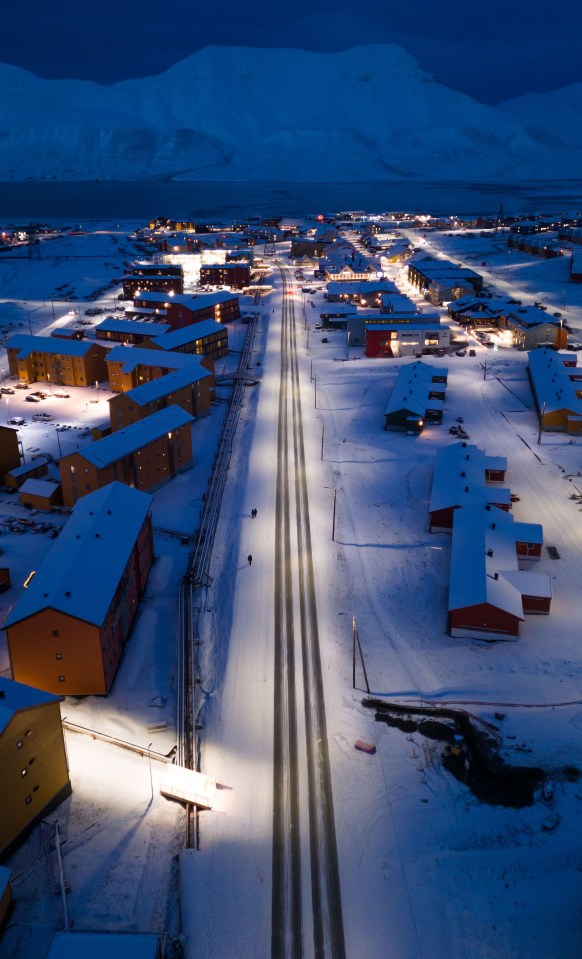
x,y
62,396
21,386
472,352
6,389
17,421
460,353
31,398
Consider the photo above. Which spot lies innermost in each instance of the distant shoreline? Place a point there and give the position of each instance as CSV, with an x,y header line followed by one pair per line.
x,y
100,200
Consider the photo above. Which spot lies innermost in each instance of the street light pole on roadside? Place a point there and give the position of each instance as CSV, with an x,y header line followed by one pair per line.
x,y
150,762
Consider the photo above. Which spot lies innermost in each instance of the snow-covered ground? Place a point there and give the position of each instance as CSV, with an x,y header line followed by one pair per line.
x,y
427,869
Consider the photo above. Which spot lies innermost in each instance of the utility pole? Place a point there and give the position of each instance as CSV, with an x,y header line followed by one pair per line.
x,y
333,521
322,435
541,423
356,639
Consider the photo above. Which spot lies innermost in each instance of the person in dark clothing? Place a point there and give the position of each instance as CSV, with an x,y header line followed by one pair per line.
x,y
250,559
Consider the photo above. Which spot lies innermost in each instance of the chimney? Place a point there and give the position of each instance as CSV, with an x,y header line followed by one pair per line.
x,y
496,576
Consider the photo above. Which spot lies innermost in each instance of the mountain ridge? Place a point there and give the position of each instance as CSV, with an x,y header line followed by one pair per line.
x,y
225,113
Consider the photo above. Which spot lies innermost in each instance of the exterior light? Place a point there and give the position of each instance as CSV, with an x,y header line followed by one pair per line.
x,y
28,578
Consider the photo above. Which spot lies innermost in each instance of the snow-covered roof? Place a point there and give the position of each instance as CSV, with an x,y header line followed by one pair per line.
x,y
27,344
111,448
362,287
15,697
115,325
189,334
134,356
194,301
163,385
82,570
404,325
39,487
398,303
27,467
459,478
96,945
413,384
483,549
556,386
528,316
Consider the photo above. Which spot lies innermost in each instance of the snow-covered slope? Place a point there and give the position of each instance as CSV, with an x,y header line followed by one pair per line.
x,y
254,114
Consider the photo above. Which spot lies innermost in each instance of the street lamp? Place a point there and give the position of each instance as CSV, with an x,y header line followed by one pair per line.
x,y
150,763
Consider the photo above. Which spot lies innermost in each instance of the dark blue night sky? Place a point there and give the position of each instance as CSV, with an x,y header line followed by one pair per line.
x,y
492,51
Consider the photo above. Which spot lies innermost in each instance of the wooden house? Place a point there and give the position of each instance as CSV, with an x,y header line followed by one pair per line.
x,y
191,388
67,631
465,475
9,450
144,455
491,584
418,397
33,761
40,494
56,361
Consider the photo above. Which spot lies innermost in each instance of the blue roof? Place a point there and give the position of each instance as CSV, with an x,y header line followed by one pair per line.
x,y
189,334
82,570
133,356
112,448
14,697
48,344
147,392
115,325
96,945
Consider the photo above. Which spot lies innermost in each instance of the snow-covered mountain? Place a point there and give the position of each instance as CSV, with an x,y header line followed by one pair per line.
x,y
228,113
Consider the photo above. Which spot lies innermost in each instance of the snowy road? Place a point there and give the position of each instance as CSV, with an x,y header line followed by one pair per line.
x,y
299,803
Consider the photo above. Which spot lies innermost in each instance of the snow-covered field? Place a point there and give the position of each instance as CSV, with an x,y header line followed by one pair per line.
x,y
427,869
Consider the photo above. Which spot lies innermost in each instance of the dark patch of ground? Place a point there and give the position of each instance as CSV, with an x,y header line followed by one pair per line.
x,y
478,764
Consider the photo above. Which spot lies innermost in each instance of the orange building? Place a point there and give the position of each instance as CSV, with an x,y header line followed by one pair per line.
x,y
9,450
191,388
144,455
67,631
207,338
40,494
63,362
33,470
131,366
33,761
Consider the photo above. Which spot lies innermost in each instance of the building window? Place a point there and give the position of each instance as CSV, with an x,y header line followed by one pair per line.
x,y
19,744
58,655
61,679
28,800
56,632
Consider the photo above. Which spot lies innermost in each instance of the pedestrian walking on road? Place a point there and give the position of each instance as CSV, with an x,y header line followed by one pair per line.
x,y
250,559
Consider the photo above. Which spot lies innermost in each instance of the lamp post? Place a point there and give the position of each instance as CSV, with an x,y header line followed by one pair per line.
x,y
150,763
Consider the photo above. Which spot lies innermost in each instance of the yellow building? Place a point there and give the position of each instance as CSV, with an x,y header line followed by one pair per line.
x,y
33,762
